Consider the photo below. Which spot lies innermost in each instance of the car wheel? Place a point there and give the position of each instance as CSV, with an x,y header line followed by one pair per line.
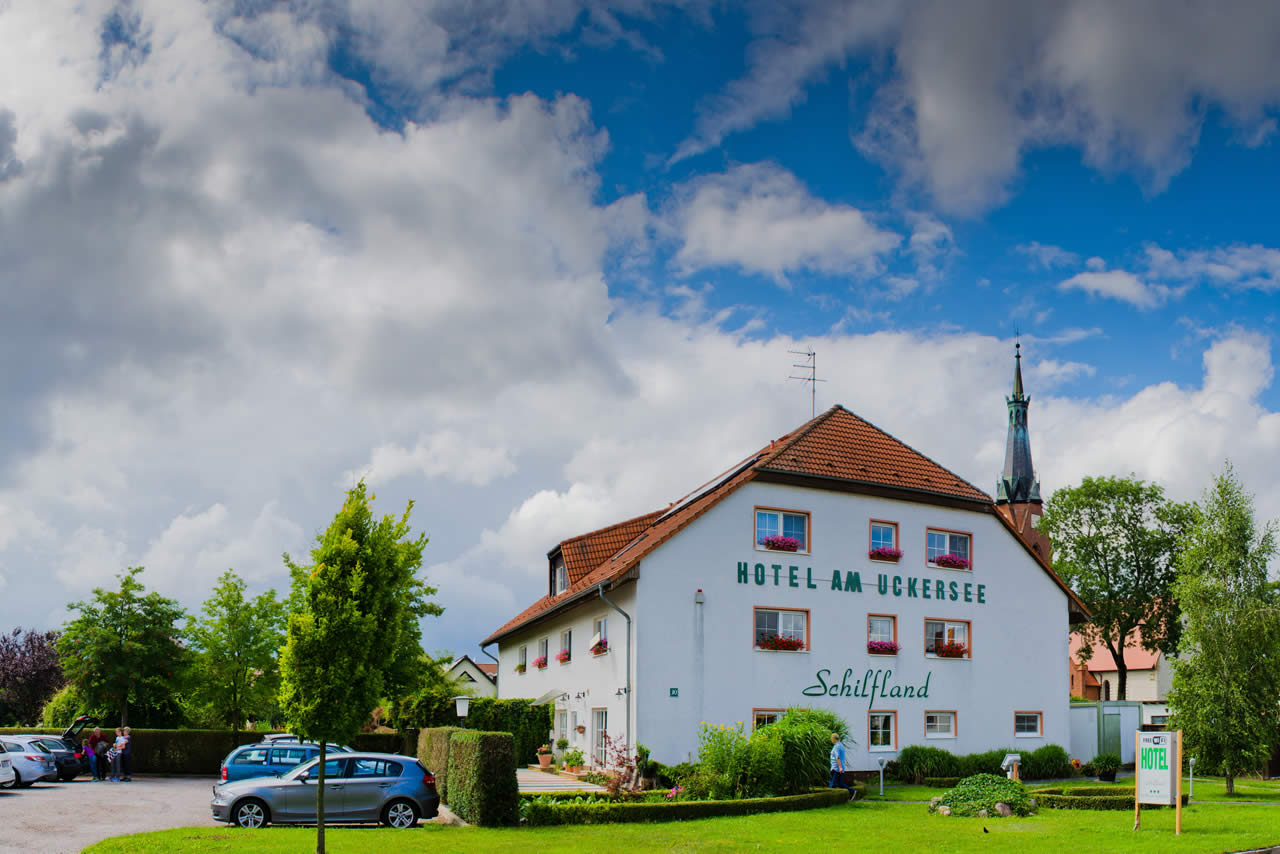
x,y
19,783
400,814
251,813
17,779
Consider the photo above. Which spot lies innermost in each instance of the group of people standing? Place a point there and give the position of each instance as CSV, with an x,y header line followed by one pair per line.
x,y
104,753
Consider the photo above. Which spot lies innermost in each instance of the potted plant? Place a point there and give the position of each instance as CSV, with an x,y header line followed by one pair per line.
x,y
573,760
885,553
951,562
520,668
540,662
582,729
778,642
882,647
600,647
562,656
562,744
1106,764
781,544
950,649
544,756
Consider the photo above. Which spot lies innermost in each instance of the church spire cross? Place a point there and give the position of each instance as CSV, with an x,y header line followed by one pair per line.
x,y
1018,483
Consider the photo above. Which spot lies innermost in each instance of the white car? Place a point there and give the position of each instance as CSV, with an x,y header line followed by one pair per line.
x,y
6,771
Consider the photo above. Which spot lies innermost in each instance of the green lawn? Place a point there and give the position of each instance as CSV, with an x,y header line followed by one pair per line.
x,y
1207,789
879,826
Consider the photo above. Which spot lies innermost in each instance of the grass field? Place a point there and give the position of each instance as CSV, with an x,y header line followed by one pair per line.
x,y
1210,828
1207,789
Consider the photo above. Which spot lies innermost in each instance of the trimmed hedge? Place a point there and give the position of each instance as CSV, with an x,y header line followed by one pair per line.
x,y
1091,798
433,750
529,724
482,778
541,811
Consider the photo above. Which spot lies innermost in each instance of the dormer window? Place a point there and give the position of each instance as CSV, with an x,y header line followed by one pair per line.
x,y
559,576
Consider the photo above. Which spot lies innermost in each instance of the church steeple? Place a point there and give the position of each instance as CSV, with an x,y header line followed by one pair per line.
x,y
1018,483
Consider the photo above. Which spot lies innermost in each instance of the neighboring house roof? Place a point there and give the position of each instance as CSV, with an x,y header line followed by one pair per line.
x,y
837,450
1135,657
489,670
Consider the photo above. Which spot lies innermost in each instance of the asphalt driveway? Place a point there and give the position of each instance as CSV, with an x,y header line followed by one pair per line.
x,y
62,818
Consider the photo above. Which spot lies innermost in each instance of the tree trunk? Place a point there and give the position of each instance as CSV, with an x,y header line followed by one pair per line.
x,y
1122,680
1231,781
320,802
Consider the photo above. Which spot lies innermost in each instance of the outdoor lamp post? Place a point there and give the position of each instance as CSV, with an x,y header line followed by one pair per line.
x,y
463,704
882,762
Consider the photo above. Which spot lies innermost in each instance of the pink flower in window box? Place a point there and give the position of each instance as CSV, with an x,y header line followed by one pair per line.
x,y
778,642
885,553
540,662
600,647
781,544
562,656
882,647
951,562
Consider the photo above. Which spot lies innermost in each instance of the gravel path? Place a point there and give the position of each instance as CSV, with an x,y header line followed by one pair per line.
x,y
63,818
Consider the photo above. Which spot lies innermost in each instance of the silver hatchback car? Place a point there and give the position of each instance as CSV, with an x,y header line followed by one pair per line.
x,y
359,787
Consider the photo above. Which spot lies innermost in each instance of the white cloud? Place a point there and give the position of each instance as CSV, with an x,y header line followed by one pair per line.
x,y
1118,285
1238,267
1048,256
760,218
445,454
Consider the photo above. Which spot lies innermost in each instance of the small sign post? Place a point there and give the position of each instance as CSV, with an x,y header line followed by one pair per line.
x,y
1159,774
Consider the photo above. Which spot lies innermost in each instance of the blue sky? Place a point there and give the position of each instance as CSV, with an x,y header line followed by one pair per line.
x,y
538,266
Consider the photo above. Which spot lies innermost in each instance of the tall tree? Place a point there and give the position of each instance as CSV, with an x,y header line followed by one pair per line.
x,y
124,648
1115,542
353,627
1226,680
236,642
29,672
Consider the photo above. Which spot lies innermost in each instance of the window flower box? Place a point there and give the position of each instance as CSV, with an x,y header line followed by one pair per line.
x,y
951,562
600,647
781,544
882,647
520,668
886,554
563,656
540,662
950,649
778,642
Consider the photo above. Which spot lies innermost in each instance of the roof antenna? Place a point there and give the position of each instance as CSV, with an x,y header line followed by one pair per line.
x,y
811,363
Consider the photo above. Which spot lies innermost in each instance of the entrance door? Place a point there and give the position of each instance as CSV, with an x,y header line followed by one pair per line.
x,y
601,726
1111,734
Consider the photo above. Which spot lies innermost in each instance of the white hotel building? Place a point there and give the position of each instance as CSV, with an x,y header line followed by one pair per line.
x,y
958,642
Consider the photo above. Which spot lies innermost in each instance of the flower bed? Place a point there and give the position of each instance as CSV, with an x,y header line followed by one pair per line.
x,y
778,642
576,808
884,553
949,649
540,662
882,647
781,544
951,562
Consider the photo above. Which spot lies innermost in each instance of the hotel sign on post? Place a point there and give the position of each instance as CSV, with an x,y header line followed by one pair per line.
x,y
1158,773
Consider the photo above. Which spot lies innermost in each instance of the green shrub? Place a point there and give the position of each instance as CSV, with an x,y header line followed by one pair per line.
x,y
433,750
675,775
1105,763
1090,798
527,723
540,812
806,746
382,742
574,758
1050,762
986,762
765,774
824,718
983,792
919,761
941,782
482,778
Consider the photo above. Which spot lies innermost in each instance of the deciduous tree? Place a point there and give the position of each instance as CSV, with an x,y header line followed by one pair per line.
x,y
1226,680
29,672
124,648
353,627
236,644
1115,542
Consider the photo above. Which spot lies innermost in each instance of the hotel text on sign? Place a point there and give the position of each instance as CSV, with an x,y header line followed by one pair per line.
x,y
1158,765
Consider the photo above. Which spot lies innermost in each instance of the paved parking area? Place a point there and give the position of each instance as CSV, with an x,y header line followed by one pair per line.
x,y
62,818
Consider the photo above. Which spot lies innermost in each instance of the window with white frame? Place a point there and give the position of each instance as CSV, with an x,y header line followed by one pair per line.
x,y
946,638
764,717
939,724
522,661
562,724
781,630
884,535
560,575
600,721
1027,724
882,628
599,635
774,524
939,544
882,731
566,646
542,651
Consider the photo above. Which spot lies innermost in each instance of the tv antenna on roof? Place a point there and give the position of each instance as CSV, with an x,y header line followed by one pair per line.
x,y
811,363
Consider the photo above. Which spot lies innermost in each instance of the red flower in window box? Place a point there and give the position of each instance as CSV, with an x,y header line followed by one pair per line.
x,y
781,544
882,647
600,647
951,562
950,649
885,553
562,656
540,662
779,642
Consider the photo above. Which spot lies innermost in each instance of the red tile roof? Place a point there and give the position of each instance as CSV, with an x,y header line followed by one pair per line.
x,y
836,449
1135,657
490,667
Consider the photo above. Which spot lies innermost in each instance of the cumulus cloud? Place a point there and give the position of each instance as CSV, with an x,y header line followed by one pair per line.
x,y
1118,285
1048,256
760,218
445,454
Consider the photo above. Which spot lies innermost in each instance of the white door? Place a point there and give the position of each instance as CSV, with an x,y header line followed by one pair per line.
x,y
601,726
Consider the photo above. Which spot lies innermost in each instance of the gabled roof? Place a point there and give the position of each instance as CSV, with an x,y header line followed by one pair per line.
x,y
584,552
1135,656
489,670
836,450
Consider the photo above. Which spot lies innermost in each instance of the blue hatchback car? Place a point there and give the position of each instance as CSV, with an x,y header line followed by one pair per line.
x,y
267,759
